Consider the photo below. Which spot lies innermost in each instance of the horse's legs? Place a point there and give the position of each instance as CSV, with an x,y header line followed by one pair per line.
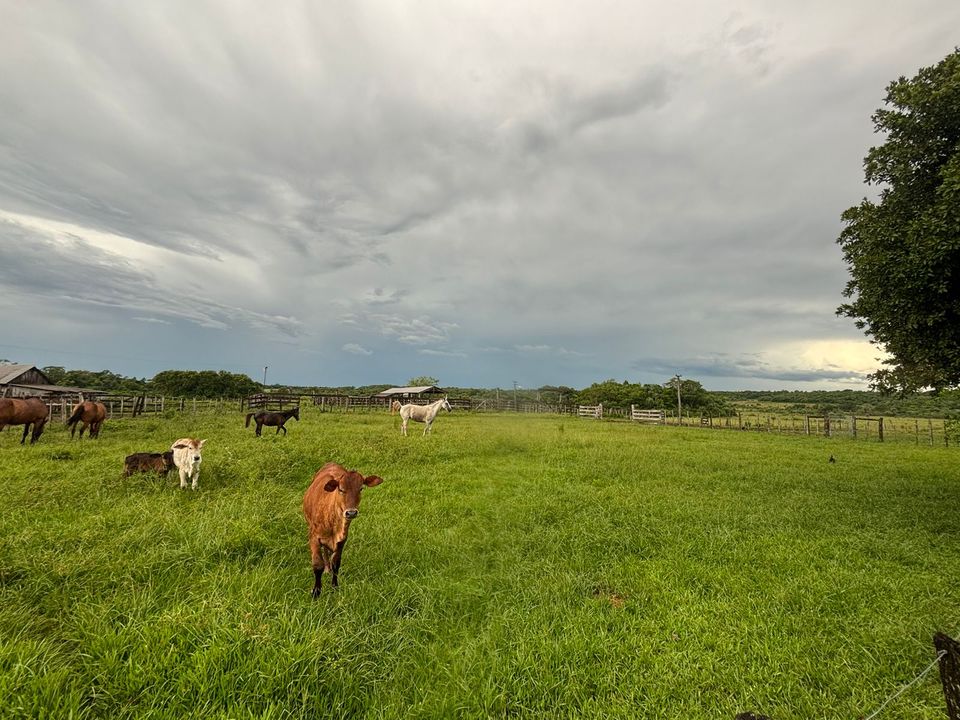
x,y
83,427
281,427
37,430
26,429
259,426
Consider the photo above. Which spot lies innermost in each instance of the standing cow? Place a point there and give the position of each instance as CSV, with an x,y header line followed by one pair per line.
x,y
329,505
186,456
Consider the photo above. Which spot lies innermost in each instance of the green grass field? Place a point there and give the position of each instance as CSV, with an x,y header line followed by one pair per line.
x,y
530,566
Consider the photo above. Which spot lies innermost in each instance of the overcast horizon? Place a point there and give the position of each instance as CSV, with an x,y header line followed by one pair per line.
x,y
364,193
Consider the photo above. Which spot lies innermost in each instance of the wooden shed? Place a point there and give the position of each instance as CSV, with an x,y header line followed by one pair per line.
x,y
21,380
17,381
418,392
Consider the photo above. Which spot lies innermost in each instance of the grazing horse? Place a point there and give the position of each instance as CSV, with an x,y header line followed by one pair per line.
x,y
88,413
273,418
421,413
24,412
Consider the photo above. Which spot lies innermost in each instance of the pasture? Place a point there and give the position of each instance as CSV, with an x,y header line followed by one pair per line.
x,y
531,566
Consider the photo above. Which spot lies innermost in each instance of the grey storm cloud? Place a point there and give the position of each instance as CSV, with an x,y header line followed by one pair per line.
x,y
481,194
744,367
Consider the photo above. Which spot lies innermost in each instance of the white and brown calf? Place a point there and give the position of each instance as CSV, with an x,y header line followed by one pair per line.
x,y
186,456
329,505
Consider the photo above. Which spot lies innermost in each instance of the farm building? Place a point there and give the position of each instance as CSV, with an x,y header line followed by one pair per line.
x,y
419,392
30,381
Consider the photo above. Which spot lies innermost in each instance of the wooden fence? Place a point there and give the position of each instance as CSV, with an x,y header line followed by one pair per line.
x,y
591,411
647,416
919,431
120,406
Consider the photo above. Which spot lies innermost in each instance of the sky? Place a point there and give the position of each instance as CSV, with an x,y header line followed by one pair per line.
x,y
531,192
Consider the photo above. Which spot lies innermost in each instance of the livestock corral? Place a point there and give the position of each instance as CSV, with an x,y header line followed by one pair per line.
x,y
507,566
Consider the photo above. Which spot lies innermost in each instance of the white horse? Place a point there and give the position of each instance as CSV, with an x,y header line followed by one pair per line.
x,y
420,413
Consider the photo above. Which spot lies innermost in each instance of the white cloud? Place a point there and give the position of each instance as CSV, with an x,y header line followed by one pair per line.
x,y
355,349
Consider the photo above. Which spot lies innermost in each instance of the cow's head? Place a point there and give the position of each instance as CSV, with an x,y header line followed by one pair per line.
x,y
349,484
192,449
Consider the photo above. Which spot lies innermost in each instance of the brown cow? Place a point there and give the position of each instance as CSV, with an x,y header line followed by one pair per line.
x,y
329,505
161,463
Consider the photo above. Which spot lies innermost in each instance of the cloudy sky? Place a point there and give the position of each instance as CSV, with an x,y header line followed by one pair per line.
x,y
363,192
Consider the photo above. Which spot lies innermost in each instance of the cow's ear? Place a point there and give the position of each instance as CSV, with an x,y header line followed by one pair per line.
x,y
179,446
201,444
372,480
331,485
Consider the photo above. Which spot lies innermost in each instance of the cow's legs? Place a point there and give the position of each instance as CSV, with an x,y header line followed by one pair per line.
x,y
335,566
183,478
320,557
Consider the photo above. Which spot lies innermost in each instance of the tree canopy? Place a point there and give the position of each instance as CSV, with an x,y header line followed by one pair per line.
x,y
654,397
422,380
203,383
903,251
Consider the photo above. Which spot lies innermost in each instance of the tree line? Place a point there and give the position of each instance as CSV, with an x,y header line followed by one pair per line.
x,y
183,383
611,393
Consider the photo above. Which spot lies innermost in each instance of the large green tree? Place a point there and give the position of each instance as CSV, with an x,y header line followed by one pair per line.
x,y
422,380
903,250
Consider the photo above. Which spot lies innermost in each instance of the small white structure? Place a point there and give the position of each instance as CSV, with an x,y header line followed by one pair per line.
x,y
647,416
591,411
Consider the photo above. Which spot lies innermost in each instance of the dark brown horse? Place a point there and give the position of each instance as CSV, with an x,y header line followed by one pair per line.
x,y
24,412
89,413
273,418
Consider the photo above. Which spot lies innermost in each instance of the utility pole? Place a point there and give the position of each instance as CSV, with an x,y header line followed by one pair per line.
x,y
265,377
679,409
515,406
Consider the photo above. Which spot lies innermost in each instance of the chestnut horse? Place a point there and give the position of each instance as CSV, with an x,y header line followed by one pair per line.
x,y
24,412
273,419
89,413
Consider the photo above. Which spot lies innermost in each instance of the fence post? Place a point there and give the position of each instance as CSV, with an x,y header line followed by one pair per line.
x,y
826,426
880,428
948,650
853,426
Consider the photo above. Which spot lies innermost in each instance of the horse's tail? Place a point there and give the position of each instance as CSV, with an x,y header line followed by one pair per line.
x,y
75,417
249,415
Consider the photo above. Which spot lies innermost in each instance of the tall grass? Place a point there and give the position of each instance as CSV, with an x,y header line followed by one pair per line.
x,y
508,567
